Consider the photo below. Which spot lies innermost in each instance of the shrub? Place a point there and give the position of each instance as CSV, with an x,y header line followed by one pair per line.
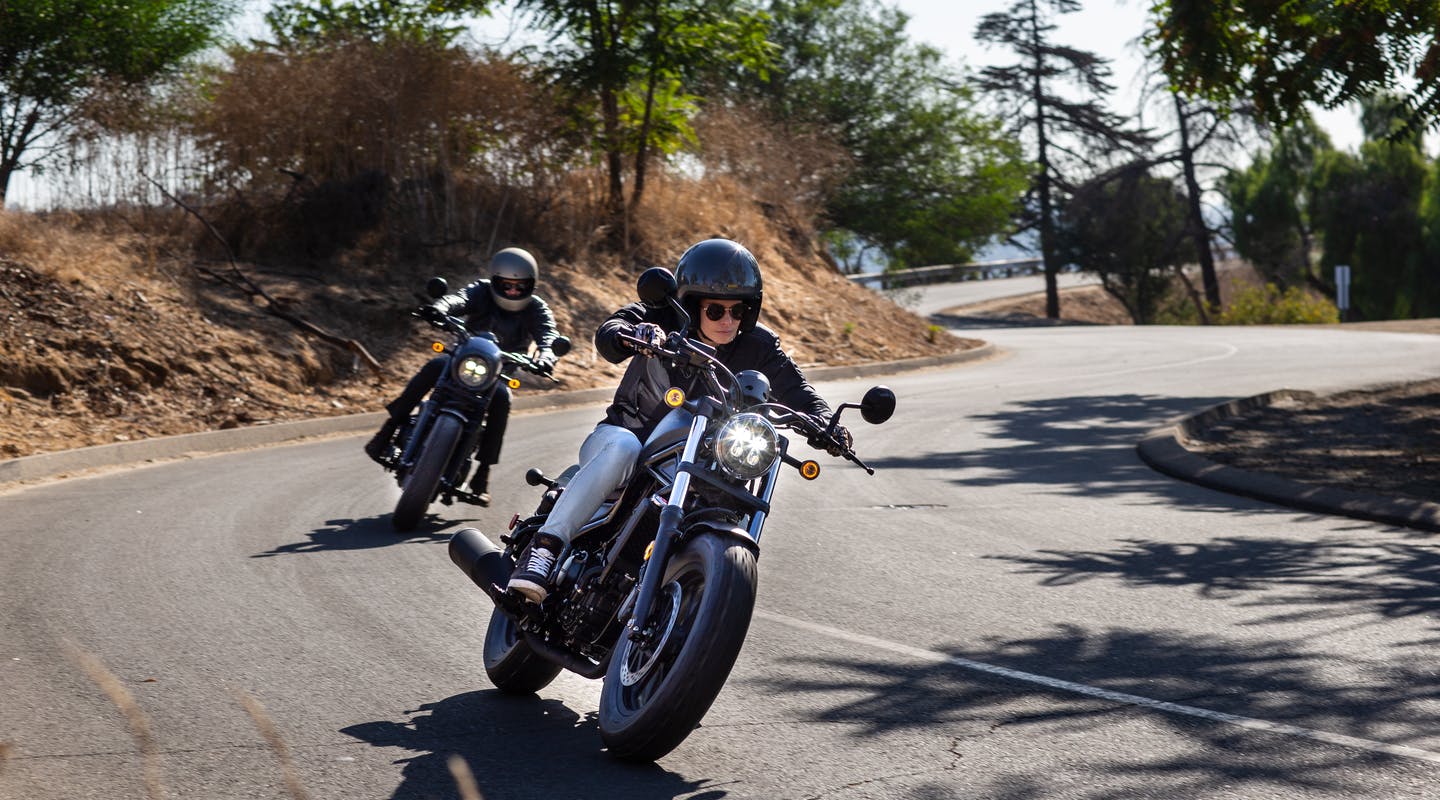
x,y
1270,306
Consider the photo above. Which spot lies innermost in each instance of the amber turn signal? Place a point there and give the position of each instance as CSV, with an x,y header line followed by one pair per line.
x,y
675,398
809,470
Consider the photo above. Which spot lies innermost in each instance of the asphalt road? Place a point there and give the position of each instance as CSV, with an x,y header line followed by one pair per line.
x,y
928,300
1013,606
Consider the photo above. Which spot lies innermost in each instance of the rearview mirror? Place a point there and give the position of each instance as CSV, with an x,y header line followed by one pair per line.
x,y
437,288
560,346
655,286
877,405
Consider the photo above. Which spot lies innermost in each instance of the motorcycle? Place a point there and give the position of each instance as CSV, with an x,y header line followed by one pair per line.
x,y
655,593
435,447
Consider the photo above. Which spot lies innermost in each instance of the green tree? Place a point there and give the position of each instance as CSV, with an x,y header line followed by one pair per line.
x,y
635,60
931,179
1269,202
56,55
1280,56
1369,210
297,23
1052,122
1131,229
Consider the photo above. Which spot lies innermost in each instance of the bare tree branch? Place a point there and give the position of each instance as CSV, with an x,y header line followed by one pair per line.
x,y
239,280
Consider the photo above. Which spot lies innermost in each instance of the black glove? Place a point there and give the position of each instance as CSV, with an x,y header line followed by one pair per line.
x,y
431,314
836,444
544,362
651,333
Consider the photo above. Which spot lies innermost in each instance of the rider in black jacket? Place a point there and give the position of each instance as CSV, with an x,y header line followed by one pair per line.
x,y
719,285
505,305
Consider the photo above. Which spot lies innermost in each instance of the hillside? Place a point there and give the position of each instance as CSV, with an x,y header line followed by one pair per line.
x,y
108,334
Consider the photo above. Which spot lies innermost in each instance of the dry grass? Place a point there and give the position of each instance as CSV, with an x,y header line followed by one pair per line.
x,y
145,741
125,702
464,778
60,245
276,743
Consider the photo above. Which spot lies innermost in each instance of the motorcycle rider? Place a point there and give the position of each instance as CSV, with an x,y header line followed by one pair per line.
x,y
720,287
507,307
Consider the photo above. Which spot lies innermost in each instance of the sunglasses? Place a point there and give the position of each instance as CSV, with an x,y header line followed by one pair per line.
x,y
716,312
509,285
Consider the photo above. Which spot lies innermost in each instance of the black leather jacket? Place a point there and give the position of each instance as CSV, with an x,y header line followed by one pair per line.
x,y
514,330
639,402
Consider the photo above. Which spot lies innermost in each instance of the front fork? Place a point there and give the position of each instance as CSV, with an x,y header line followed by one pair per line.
x,y
666,534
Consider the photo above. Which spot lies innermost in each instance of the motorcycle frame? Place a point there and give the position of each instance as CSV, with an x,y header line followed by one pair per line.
x,y
449,398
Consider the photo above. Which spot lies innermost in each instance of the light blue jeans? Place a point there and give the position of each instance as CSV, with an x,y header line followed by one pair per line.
x,y
607,460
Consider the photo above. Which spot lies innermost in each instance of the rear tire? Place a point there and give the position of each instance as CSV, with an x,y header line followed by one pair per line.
x,y
424,479
705,604
512,666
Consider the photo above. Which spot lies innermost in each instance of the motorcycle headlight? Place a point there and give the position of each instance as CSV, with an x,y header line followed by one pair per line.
x,y
472,372
746,446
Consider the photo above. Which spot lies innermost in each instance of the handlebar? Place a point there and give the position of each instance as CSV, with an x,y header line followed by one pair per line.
x,y
677,349
456,326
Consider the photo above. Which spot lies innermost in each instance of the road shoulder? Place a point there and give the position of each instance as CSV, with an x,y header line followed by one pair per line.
x,y
1164,450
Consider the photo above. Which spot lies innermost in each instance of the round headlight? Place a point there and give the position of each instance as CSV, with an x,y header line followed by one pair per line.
x,y
746,446
472,372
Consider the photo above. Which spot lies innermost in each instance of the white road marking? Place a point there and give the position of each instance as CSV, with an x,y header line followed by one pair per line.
x,y
1248,723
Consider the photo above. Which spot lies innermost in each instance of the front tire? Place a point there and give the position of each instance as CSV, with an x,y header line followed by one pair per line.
x,y
512,666
424,479
656,694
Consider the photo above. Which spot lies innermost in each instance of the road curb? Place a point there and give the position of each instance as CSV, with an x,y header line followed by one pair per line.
x,y
46,465
1164,450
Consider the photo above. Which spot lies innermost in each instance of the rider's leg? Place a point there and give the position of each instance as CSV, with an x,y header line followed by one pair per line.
x,y
606,460
487,450
400,408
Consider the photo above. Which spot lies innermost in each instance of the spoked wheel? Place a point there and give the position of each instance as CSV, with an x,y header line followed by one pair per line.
x,y
512,666
656,691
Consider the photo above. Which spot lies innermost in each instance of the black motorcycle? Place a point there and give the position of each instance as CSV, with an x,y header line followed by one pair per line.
x,y
655,592
435,447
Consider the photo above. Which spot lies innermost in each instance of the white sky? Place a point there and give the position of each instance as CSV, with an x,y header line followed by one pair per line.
x,y
1105,27
1108,28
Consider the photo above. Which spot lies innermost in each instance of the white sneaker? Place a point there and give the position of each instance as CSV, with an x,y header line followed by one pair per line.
x,y
531,578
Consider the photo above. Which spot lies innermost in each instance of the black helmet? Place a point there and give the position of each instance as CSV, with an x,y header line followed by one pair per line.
x,y
513,264
721,269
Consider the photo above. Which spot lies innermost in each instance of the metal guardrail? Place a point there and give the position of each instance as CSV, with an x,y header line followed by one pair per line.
x,y
950,273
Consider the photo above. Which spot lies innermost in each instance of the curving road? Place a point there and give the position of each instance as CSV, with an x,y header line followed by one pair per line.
x,y
1014,606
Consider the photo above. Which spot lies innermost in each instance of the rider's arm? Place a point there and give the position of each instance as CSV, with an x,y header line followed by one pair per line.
x,y
457,304
787,382
542,325
622,321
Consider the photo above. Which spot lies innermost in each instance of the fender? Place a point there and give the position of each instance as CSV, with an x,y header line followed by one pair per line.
x,y
713,520
451,411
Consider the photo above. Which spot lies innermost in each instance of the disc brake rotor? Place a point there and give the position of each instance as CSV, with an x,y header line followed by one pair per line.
x,y
629,676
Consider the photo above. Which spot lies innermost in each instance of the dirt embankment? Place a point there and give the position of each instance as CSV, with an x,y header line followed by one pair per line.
x,y
114,343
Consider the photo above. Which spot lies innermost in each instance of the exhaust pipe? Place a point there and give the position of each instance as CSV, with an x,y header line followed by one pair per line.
x,y
487,567
482,561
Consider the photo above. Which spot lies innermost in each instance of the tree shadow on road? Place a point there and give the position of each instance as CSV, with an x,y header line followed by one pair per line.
x,y
1202,757
1304,580
366,534
1079,446
517,748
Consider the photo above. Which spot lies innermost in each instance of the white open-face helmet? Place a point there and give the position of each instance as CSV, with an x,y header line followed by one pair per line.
x,y
512,278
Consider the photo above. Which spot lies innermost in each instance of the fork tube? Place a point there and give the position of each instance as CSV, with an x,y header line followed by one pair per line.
x,y
767,489
667,531
427,409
